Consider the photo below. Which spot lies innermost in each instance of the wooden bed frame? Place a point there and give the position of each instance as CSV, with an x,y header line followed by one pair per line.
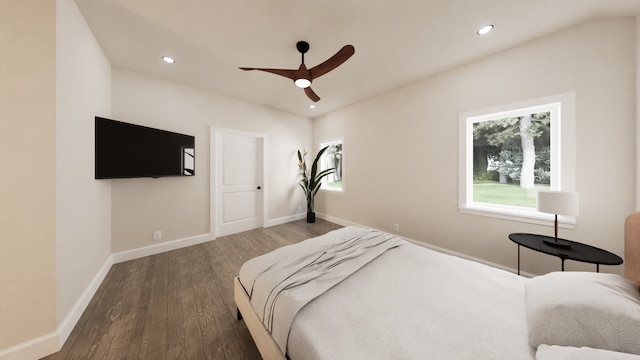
x,y
632,248
269,350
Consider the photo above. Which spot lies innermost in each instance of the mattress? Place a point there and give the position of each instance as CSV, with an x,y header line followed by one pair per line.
x,y
408,303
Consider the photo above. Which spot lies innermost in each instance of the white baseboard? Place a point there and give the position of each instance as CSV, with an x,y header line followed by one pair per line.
x,y
36,348
52,342
70,321
429,246
339,221
468,257
284,220
133,254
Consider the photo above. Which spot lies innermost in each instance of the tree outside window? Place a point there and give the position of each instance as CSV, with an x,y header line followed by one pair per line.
x,y
333,158
509,152
511,159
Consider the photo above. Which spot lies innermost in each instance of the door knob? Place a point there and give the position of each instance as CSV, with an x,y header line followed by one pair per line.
x,y
258,187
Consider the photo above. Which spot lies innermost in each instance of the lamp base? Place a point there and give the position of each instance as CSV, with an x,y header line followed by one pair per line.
x,y
558,243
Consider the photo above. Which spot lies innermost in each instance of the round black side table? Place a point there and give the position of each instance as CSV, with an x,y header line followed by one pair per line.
x,y
565,249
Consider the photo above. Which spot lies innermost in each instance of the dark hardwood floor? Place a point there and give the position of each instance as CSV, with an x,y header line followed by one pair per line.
x,y
178,304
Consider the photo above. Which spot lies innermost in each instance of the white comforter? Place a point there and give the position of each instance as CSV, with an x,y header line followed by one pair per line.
x,y
408,303
282,288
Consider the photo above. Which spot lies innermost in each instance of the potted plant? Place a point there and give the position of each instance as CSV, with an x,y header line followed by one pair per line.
x,y
311,180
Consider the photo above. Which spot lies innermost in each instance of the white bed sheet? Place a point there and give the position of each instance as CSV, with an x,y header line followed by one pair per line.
x,y
411,303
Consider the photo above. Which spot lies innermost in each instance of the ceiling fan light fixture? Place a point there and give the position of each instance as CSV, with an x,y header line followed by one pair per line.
x,y
302,83
302,77
485,30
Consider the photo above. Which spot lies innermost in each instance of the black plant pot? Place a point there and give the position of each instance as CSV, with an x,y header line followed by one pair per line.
x,y
311,217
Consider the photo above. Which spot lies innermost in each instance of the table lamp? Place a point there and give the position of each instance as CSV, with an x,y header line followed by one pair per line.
x,y
557,203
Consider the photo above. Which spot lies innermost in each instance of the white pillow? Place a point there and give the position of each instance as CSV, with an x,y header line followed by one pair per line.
x,y
555,352
583,309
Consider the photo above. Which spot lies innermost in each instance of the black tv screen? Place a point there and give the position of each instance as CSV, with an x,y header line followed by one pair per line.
x,y
126,150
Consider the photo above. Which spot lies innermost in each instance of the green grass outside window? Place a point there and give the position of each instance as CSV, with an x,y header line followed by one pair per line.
x,y
505,194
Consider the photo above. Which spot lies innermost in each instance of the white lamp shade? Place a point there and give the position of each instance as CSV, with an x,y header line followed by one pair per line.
x,y
302,83
558,202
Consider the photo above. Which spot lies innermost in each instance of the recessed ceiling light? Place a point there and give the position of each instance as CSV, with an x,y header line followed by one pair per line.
x,y
485,29
312,106
168,60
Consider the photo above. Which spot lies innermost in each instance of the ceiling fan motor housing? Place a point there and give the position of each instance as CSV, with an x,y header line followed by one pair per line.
x,y
302,47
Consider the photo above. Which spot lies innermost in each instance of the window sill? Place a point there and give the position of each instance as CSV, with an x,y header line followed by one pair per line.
x,y
332,191
537,218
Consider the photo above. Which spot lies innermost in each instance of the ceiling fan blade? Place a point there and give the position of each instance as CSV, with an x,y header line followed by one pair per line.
x,y
290,74
333,62
311,94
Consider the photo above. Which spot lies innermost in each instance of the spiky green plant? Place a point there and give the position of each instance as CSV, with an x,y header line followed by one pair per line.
x,y
311,178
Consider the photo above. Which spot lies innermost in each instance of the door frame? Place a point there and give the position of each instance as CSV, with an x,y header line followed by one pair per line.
x,y
214,164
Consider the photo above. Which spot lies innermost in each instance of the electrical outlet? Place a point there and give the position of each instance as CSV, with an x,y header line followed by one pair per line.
x,y
157,235
396,227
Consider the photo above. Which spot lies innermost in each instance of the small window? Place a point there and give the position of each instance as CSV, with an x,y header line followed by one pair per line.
x,y
507,154
333,158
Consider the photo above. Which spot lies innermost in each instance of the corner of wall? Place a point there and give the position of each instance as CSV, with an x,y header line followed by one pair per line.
x,y
637,98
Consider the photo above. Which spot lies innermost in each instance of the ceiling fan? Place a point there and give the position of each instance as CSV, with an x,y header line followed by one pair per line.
x,y
303,77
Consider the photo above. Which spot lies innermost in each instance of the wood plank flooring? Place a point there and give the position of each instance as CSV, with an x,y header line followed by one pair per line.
x,y
178,304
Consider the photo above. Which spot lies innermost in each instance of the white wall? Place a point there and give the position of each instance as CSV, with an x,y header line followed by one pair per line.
x,y
56,218
27,175
637,153
83,204
402,148
179,206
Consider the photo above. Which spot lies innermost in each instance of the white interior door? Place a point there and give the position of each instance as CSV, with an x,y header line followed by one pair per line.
x,y
239,176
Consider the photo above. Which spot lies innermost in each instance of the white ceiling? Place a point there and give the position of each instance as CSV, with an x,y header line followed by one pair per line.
x,y
397,42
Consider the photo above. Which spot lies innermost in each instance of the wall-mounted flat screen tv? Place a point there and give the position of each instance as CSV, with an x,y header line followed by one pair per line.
x,y
126,150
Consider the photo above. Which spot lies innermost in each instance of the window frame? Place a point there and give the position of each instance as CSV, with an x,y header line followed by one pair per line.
x,y
324,186
563,162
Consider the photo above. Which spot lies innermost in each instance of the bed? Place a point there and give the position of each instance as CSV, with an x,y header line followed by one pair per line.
x,y
357,293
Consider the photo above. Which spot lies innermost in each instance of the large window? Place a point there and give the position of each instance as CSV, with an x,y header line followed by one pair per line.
x,y
509,153
333,158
